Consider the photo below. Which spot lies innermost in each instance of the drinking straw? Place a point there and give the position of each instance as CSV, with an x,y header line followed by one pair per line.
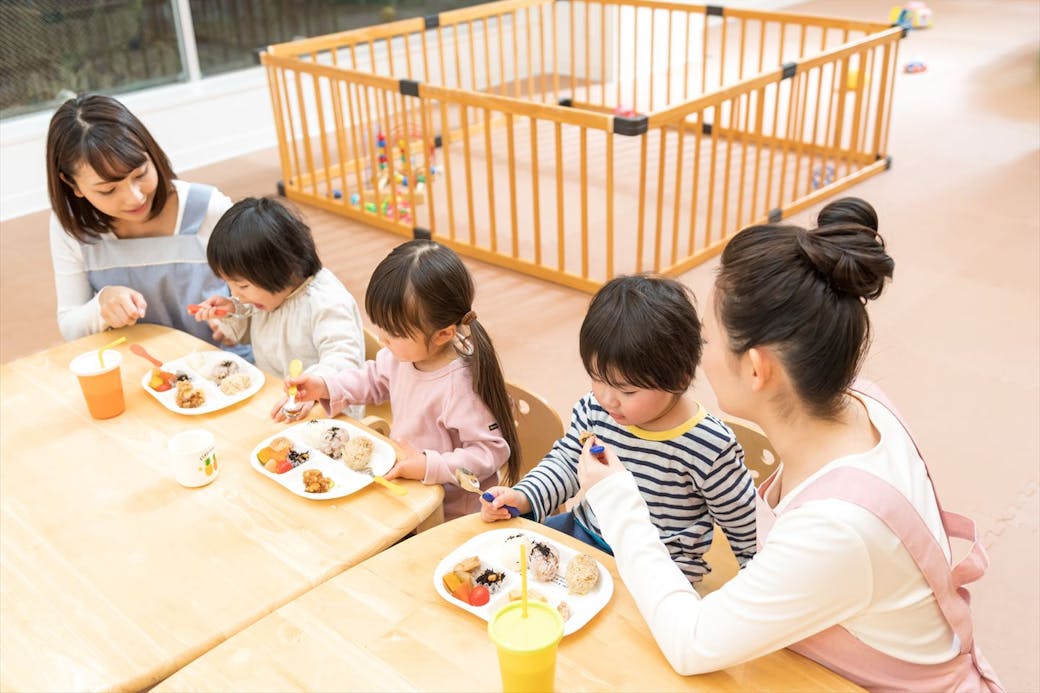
x,y
523,580
101,351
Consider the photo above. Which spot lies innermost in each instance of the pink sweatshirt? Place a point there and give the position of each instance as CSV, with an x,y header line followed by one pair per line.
x,y
436,412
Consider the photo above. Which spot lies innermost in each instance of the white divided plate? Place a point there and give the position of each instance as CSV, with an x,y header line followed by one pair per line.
x,y
345,480
488,546
198,365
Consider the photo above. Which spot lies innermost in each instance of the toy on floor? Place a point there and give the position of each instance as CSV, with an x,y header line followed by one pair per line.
x,y
912,15
915,64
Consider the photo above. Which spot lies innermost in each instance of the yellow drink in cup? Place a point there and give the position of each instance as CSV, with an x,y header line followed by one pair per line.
x,y
526,646
102,385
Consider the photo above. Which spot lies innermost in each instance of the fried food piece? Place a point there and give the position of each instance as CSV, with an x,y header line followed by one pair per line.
x,y
469,564
316,482
188,397
234,383
582,574
357,453
564,609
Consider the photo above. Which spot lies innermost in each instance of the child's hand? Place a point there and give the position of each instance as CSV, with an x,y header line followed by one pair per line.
x,y
219,335
504,495
309,388
411,463
212,308
278,415
121,306
593,469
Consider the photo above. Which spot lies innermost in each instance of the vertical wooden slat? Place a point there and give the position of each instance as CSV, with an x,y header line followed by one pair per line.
x,y
514,230
323,134
617,74
641,221
409,167
555,56
695,182
704,54
573,67
341,137
609,203
467,161
502,58
426,111
891,88
391,160
653,47
659,217
882,98
686,58
583,162
487,56
307,149
356,121
760,95
490,172
530,58
446,141
717,119
588,56
762,44
743,37
668,64
745,110
536,207
273,80
723,227
678,189
560,231
635,59
603,55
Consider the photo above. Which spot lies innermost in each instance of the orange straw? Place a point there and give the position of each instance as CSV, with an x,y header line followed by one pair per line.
x,y
523,580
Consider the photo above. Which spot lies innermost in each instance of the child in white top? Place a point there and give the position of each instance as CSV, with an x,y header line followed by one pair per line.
x,y
641,343
284,302
439,370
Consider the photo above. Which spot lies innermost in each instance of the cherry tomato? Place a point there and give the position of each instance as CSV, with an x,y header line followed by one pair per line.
x,y
479,595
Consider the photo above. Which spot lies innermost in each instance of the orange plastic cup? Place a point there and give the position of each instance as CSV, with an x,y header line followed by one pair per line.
x,y
102,385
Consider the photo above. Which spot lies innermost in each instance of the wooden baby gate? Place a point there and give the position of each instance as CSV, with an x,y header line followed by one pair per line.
x,y
575,140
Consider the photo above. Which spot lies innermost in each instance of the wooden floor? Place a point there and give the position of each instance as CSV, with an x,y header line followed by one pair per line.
x,y
957,335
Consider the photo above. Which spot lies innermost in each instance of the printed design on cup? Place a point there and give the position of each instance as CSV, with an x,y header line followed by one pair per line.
x,y
208,462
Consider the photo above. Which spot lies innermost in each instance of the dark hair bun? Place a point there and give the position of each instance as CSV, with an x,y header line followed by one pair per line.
x,y
849,210
850,257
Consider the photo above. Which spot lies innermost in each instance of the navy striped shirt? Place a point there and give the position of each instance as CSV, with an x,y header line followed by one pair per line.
x,y
691,478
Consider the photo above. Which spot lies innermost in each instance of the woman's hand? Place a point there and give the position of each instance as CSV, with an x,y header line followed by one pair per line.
x,y
309,388
592,470
212,308
411,463
494,511
279,415
121,306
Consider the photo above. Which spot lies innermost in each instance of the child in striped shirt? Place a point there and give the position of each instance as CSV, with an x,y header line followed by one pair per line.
x,y
641,343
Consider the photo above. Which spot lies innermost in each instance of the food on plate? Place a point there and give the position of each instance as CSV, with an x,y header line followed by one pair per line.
x,y
279,456
543,560
582,574
316,482
196,361
516,594
564,609
224,369
329,440
492,579
469,564
161,380
479,595
188,397
584,436
459,584
510,556
235,383
357,453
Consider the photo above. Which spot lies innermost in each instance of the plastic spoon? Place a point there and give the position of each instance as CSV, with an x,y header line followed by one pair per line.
x,y
291,406
468,481
140,351
101,351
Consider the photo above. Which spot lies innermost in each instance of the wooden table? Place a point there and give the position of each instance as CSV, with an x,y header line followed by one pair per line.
x,y
382,626
113,576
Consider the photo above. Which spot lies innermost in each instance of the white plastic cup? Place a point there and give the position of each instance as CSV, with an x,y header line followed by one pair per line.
x,y
193,457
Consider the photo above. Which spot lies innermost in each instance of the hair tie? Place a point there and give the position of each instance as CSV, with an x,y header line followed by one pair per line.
x,y
468,318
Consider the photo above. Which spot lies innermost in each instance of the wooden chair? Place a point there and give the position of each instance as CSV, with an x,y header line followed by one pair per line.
x,y
538,426
377,416
761,459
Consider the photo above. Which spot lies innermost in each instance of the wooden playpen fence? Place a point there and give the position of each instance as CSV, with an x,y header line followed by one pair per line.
x,y
575,140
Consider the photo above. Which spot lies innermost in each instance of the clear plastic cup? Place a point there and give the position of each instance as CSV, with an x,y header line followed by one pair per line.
x,y
193,457
102,385
526,646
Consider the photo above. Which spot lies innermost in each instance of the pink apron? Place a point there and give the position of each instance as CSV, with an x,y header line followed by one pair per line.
x,y
837,648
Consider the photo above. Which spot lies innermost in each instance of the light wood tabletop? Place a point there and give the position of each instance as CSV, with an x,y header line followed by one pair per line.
x,y
113,575
382,625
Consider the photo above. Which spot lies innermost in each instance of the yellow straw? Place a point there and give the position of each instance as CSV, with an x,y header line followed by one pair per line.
x,y
523,580
101,351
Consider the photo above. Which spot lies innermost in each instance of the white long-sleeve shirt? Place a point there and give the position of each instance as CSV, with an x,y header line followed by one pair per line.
x,y
825,563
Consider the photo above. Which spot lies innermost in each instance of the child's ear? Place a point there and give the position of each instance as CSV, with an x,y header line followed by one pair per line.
x,y
66,181
443,336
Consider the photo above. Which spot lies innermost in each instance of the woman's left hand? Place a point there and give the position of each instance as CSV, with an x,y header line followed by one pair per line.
x,y
411,463
591,470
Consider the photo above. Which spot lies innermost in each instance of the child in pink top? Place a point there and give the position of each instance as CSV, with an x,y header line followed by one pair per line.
x,y
439,371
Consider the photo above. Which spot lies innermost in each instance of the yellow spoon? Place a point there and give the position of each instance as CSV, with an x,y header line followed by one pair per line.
x,y
101,351
291,407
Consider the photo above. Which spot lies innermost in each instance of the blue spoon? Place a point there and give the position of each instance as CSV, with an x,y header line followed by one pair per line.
x,y
468,481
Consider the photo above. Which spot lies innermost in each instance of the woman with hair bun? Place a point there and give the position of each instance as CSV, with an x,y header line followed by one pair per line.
x,y
854,562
